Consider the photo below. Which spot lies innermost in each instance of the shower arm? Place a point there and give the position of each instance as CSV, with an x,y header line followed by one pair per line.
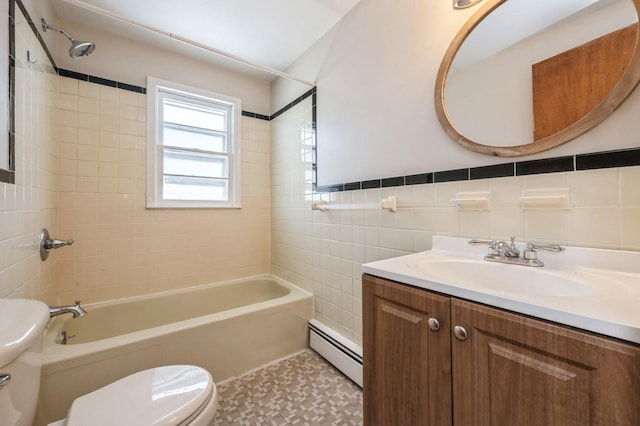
x,y
46,27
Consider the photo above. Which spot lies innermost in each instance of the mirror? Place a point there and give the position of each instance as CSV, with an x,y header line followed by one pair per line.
x,y
524,76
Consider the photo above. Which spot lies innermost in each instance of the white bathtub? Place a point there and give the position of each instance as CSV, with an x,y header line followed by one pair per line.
x,y
227,328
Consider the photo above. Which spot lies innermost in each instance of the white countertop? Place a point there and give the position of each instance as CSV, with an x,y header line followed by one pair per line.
x,y
611,306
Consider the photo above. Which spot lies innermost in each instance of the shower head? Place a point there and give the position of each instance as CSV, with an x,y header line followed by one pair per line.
x,y
78,49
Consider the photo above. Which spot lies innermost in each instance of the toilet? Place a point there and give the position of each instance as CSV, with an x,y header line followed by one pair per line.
x,y
169,395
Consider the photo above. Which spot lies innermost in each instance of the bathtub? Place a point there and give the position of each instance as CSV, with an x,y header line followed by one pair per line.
x,y
228,328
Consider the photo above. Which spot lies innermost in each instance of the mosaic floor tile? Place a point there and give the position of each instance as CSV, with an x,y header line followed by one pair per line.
x,y
301,390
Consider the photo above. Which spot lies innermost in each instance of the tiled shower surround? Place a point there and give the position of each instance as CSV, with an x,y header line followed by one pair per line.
x,y
81,174
123,249
324,251
30,204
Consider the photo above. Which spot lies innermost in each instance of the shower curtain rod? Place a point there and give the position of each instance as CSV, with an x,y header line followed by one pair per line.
x,y
181,39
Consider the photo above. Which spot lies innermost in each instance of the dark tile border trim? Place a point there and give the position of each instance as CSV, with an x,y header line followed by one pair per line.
x,y
547,165
394,181
295,102
352,186
497,170
596,160
9,175
255,115
603,160
370,184
418,179
102,81
130,87
451,175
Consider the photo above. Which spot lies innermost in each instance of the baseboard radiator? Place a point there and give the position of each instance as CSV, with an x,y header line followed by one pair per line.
x,y
341,352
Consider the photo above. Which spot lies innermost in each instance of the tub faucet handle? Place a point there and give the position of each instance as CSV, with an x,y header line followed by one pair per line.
x,y
47,244
54,244
63,337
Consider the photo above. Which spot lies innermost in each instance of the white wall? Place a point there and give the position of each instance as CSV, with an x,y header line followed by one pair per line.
x,y
39,9
376,75
128,61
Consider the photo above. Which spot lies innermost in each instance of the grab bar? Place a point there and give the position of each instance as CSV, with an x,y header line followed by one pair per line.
x,y
388,203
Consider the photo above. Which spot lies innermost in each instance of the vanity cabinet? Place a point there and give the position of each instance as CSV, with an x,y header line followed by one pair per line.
x,y
498,367
407,362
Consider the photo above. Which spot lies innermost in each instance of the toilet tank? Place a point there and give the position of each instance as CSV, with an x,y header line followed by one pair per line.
x,y
22,325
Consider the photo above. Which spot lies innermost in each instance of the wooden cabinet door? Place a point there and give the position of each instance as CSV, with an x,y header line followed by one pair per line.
x,y
407,365
514,370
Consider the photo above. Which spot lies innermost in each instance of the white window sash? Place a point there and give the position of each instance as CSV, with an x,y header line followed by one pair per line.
x,y
156,90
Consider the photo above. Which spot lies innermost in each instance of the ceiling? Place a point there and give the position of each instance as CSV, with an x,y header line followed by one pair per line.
x,y
273,33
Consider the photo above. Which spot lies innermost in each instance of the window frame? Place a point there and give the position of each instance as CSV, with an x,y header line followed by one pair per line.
x,y
155,175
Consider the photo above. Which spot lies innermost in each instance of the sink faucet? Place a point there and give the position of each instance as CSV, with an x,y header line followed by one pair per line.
x,y
503,252
75,310
508,249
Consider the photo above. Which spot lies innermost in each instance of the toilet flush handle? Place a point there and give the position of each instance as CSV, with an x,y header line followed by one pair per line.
x,y
5,378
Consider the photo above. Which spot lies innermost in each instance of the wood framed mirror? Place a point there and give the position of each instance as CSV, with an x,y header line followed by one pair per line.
x,y
525,76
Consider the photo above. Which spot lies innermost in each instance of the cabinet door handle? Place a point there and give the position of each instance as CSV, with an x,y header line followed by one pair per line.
x,y
460,332
434,324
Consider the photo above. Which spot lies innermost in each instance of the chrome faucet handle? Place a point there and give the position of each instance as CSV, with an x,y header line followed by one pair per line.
x,y
547,247
475,242
47,244
493,245
511,250
54,244
530,250
504,249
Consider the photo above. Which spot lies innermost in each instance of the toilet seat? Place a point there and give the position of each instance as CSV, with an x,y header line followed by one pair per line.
x,y
168,396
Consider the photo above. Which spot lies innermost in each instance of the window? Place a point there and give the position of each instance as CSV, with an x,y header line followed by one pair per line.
x,y
193,147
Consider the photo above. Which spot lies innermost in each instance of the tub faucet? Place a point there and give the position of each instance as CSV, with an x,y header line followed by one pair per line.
x,y
75,310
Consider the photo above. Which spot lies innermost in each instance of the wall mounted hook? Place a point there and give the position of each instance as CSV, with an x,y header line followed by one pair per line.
x,y
35,61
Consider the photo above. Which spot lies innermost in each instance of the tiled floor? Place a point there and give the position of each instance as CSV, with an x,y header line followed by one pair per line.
x,y
301,390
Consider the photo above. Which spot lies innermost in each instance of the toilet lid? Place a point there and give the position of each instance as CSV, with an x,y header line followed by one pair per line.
x,y
159,396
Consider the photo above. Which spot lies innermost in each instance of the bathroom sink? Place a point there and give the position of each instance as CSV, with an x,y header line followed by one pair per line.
x,y
592,289
504,279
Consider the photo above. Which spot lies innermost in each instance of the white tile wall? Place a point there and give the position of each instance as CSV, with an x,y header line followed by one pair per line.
x,y
29,205
324,252
122,249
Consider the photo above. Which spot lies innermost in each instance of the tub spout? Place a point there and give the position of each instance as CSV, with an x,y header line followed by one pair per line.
x,y
75,310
